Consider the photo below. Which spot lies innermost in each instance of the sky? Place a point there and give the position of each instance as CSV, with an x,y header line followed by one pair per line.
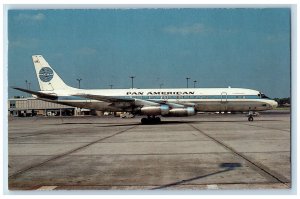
x,y
243,48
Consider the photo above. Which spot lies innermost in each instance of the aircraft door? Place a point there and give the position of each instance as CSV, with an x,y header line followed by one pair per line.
x,y
178,97
223,97
224,101
164,98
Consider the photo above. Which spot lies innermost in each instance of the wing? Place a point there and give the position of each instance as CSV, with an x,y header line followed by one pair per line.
x,y
105,98
116,101
38,94
120,102
174,104
126,102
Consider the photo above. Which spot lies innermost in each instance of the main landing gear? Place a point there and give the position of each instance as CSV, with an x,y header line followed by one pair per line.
x,y
150,120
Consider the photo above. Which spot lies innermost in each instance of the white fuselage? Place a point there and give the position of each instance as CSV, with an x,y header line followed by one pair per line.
x,y
202,99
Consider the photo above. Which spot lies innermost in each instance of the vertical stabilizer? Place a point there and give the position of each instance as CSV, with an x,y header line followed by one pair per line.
x,y
47,77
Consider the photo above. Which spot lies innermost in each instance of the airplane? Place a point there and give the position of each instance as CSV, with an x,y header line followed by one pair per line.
x,y
165,102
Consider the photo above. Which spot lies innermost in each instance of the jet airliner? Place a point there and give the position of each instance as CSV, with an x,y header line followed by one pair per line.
x,y
149,102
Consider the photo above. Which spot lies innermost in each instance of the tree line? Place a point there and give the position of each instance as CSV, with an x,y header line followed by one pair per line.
x,y
283,102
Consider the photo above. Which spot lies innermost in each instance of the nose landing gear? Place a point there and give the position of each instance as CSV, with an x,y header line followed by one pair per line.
x,y
250,118
150,120
251,115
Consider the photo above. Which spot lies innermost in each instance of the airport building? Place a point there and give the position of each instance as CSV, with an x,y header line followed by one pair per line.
x,y
26,107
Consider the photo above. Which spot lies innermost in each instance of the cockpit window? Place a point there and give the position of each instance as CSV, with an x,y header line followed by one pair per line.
x,y
263,96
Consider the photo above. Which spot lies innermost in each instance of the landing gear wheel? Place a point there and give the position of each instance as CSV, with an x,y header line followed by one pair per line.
x,y
144,120
157,120
250,119
150,120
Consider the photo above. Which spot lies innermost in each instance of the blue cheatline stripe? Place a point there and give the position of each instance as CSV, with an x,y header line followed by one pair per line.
x,y
194,97
169,97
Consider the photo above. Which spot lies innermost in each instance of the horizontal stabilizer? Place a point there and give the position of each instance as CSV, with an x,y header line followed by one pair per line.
x,y
38,94
105,98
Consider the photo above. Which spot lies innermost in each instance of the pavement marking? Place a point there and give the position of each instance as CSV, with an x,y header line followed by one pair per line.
x,y
276,176
43,133
46,188
15,175
212,186
263,127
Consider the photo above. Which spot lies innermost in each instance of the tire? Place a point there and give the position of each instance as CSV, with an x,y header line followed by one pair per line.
x,y
144,120
250,119
157,120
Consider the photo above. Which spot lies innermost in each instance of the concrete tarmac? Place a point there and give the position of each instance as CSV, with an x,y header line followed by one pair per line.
x,y
206,151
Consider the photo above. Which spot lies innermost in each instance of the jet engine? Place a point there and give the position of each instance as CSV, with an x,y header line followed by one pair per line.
x,y
179,112
155,110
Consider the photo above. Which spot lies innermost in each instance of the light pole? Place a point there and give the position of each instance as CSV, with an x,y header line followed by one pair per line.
x,y
195,83
132,77
187,81
79,79
26,84
111,86
26,87
29,85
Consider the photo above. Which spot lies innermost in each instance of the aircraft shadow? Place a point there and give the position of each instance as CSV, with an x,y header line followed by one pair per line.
x,y
227,166
238,121
161,123
127,124
104,124
114,125
84,123
201,121
169,122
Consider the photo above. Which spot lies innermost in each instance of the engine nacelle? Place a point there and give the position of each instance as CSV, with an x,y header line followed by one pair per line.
x,y
179,112
155,110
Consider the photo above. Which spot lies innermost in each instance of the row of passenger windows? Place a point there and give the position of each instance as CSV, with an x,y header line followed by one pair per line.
x,y
190,97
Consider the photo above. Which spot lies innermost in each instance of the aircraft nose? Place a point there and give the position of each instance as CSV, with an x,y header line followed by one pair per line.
x,y
274,104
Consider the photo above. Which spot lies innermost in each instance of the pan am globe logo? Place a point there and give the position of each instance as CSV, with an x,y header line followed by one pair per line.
x,y
46,74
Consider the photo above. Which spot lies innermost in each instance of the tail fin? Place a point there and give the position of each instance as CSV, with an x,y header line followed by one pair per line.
x,y
47,77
